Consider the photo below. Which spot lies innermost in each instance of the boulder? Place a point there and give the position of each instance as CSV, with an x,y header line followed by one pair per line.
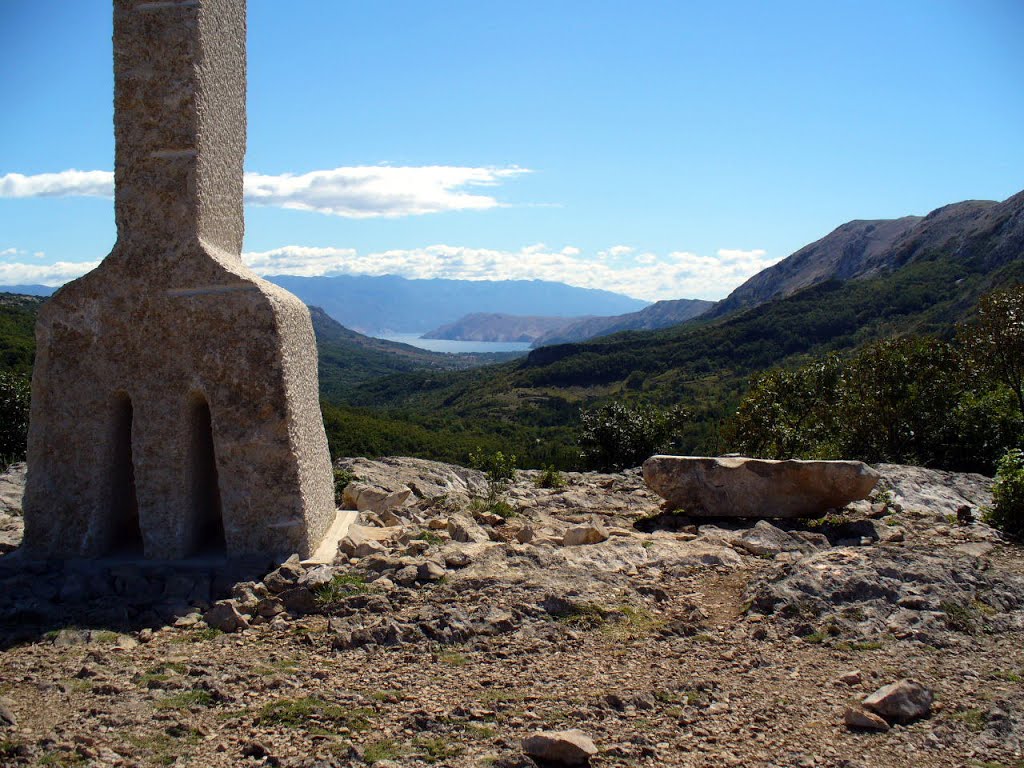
x,y
372,498
225,617
560,747
425,479
584,534
743,487
464,530
901,702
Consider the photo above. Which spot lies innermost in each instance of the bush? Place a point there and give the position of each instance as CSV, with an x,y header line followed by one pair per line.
x,y
617,435
499,468
15,395
1007,510
550,478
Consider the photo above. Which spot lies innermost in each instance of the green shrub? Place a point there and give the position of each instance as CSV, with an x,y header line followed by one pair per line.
x,y
550,478
342,477
1007,510
499,468
618,435
15,395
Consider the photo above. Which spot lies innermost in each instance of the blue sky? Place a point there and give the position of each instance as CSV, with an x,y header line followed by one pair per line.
x,y
660,149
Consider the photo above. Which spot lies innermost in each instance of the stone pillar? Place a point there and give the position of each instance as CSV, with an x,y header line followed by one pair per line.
x,y
175,405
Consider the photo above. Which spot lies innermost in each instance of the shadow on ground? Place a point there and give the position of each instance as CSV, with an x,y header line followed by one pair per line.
x,y
40,598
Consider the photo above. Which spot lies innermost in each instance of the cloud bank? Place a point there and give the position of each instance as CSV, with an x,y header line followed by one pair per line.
x,y
355,192
644,275
622,269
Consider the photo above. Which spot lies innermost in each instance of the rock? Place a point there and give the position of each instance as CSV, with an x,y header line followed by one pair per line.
x,y
457,559
560,747
901,702
298,601
269,607
285,577
743,487
425,479
464,530
364,548
862,719
584,534
430,571
765,540
372,498
12,488
225,617
407,575
7,719
854,677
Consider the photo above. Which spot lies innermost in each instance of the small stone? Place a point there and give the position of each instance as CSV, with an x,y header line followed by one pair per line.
x,y
407,575
430,571
858,718
901,702
7,718
457,559
225,617
283,578
298,600
584,534
852,678
465,530
560,747
269,607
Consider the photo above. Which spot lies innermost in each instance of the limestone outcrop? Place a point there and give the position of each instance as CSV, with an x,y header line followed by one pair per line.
x,y
743,487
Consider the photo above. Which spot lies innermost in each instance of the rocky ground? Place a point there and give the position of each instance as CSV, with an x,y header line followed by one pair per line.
x,y
445,634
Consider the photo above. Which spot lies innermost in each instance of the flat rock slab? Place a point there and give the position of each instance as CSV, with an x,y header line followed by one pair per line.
x,y
741,487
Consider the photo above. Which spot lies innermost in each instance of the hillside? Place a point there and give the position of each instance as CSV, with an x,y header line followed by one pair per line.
x,y
926,281
390,304
659,315
487,326
348,358
17,331
984,232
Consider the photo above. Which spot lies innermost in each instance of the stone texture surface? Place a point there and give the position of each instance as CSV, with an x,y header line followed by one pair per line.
x,y
172,358
669,644
743,487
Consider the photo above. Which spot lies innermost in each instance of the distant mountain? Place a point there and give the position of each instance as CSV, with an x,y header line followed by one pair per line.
x,y
390,304
659,315
987,232
28,290
486,326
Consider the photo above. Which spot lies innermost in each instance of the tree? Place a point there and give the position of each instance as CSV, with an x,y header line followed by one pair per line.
x,y
618,435
15,394
788,413
996,339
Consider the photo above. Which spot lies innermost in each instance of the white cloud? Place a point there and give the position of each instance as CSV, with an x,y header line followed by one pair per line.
x,y
645,275
16,273
677,275
63,184
355,192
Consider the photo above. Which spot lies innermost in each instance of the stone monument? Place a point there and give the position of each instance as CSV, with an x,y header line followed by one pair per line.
x,y
175,407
